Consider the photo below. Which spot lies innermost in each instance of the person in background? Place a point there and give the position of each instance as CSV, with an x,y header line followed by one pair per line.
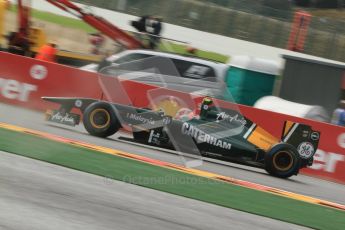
x,y
18,43
97,40
338,117
149,25
140,25
154,28
47,53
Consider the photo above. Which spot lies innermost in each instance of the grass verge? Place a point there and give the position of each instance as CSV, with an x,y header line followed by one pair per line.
x,y
181,49
172,181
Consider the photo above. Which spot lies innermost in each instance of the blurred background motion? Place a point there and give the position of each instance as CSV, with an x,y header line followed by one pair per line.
x,y
208,64
266,21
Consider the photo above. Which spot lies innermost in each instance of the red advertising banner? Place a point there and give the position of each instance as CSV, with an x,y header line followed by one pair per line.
x,y
23,81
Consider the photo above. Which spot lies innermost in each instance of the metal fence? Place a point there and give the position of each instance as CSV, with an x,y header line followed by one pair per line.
x,y
249,20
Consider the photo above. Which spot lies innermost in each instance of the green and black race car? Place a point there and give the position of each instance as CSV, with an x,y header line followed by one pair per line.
x,y
217,133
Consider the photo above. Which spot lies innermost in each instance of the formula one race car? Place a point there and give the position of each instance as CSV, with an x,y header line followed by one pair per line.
x,y
217,133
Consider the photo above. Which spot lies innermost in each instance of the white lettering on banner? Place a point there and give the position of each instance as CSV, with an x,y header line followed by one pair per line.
x,y
15,90
341,140
326,161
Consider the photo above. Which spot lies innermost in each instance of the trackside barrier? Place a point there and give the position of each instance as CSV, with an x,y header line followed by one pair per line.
x,y
23,81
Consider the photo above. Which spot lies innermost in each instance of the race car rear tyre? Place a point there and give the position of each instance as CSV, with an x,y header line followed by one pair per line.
x,y
282,161
100,119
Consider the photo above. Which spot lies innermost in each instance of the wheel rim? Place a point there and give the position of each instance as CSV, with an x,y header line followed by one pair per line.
x,y
100,118
283,160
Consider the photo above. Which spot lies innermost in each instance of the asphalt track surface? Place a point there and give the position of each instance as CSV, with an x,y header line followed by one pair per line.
x,y
299,184
38,195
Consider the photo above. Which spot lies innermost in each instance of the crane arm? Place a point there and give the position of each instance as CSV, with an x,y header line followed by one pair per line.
x,y
99,23
23,17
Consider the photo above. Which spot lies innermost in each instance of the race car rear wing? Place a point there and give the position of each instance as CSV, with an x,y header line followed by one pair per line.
x,y
302,137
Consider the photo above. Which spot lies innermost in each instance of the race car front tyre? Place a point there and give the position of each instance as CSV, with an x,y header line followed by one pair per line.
x,y
282,161
100,119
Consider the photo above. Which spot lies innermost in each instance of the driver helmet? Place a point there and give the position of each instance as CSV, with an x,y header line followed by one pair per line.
x,y
206,104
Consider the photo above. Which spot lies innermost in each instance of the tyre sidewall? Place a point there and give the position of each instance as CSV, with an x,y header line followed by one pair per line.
x,y
110,129
282,147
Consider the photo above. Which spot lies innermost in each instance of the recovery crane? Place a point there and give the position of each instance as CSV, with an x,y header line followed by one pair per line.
x,y
30,38
104,26
100,24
